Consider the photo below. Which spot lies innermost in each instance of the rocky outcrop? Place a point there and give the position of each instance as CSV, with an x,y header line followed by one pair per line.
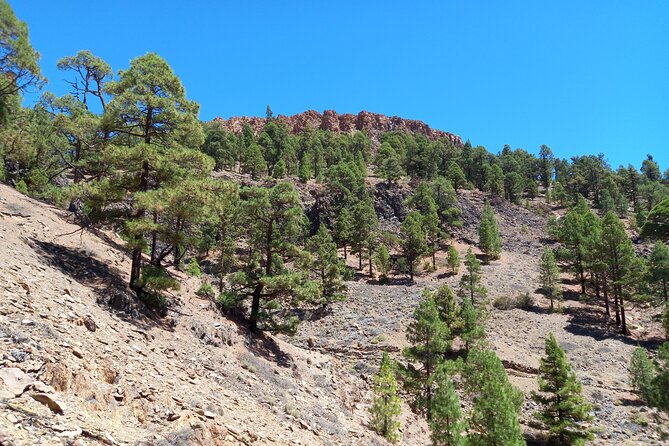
x,y
373,123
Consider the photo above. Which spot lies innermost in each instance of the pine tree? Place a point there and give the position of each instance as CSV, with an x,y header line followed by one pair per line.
x,y
658,263
447,305
382,261
327,265
490,241
272,222
413,240
447,202
495,184
550,275
665,320
253,162
225,205
642,373
386,407
422,201
456,176
279,170
344,229
157,139
446,418
651,378
578,232
495,402
366,227
430,339
453,259
472,331
620,262
563,408
559,194
470,283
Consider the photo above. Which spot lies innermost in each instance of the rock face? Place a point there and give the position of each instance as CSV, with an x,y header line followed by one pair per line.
x,y
373,123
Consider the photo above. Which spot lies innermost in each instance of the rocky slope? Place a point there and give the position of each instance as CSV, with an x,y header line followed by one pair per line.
x,y
81,363
374,319
373,123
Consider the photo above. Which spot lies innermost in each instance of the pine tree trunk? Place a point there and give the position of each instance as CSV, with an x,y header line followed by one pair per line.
x,y
345,251
616,306
255,308
625,331
370,262
664,289
606,298
360,258
154,240
136,268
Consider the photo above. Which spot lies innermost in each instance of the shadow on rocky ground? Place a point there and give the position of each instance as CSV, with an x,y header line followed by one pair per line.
x,y
105,280
266,347
591,321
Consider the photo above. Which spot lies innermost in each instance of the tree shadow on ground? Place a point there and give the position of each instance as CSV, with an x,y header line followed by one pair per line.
x,y
264,345
591,321
391,281
105,281
446,275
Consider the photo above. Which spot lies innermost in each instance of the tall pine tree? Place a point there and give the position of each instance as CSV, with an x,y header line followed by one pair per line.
x,y
386,408
563,408
490,241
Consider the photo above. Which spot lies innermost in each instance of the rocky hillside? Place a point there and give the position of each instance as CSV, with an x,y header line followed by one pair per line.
x,y
373,123
81,363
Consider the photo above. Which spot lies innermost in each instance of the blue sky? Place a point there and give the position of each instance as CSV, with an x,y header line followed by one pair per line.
x,y
580,76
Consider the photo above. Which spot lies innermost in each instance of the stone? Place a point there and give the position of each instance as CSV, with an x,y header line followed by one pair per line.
x,y
19,355
52,404
12,418
28,322
89,323
15,380
209,414
40,387
78,353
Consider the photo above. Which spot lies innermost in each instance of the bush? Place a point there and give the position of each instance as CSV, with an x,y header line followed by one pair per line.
x,y
523,301
22,187
193,268
228,301
153,281
206,290
504,303
656,225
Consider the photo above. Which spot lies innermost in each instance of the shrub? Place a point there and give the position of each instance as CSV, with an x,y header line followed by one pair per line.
x,y
504,303
193,268
22,187
228,301
206,290
523,301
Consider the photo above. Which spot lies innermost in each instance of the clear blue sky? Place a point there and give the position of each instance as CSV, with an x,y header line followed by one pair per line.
x,y
580,76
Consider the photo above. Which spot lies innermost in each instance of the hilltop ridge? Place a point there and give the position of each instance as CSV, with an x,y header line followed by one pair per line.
x,y
373,123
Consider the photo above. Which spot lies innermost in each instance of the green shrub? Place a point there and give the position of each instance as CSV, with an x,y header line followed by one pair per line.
x,y
228,301
193,268
206,290
152,283
22,187
657,224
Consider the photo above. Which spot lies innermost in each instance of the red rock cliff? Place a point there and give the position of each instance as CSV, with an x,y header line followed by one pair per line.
x,y
373,123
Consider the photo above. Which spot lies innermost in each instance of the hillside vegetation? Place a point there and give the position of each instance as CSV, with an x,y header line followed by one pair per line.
x,y
286,280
